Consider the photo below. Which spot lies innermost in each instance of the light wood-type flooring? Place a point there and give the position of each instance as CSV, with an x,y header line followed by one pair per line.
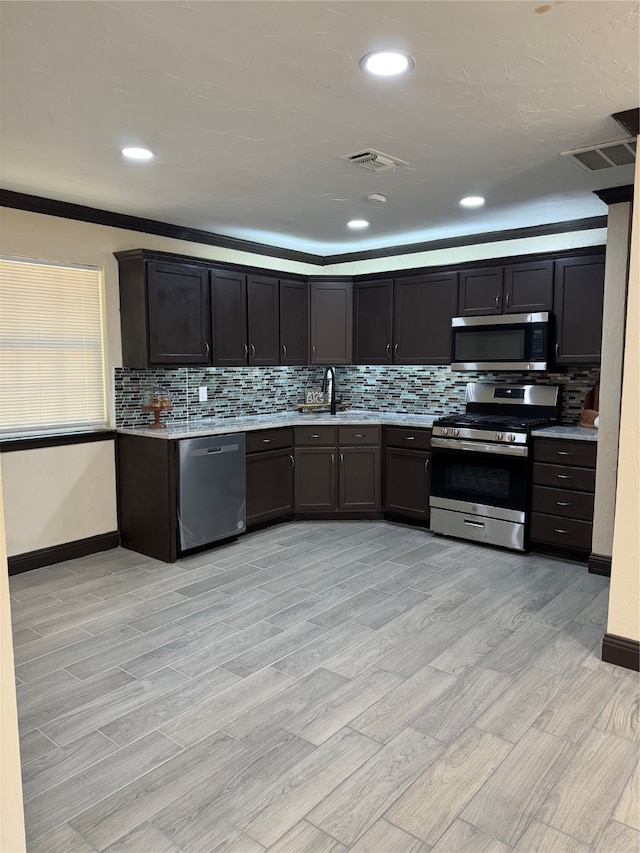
x,y
318,687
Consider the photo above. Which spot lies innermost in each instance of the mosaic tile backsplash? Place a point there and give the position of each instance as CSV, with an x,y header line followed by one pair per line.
x,y
236,391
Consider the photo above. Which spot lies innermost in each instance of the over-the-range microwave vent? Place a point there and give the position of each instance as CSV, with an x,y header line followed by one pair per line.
x,y
609,155
374,161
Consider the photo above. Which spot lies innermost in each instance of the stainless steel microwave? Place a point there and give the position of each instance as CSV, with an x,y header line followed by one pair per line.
x,y
500,342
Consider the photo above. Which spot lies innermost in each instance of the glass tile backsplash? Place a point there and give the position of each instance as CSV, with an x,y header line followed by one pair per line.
x,y
235,391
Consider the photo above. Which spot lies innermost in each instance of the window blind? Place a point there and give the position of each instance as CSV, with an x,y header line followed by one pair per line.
x,y
52,376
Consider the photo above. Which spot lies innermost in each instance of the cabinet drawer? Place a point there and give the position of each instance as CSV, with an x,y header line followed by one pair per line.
x,y
316,435
269,439
563,502
561,531
359,435
411,439
579,453
563,477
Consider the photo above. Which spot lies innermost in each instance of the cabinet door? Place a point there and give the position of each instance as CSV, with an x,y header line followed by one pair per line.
x,y
423,308
578,302
229,306
480,291
359,478
269,485
331,322
373,322
178,314
528,287
263,312
406,489
294,322
315,479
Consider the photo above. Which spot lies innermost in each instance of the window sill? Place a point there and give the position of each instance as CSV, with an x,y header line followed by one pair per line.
x,y
33,442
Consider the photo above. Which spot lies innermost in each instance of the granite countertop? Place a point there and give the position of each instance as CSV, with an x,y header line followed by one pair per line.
x,y
572,432
218,426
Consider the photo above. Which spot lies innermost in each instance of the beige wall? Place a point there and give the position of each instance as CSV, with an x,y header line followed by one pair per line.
x,y
59,494
613,323
624,596
12,838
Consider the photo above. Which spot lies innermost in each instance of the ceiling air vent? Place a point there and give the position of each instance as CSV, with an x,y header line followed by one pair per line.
x,y
606,156
374,161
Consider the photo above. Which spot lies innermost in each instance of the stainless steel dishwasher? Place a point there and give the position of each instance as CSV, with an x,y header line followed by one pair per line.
x,y
211,489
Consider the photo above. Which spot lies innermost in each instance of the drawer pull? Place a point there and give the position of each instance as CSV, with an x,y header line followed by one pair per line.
x,y
409,437
564,453
560,530
358,435
564,476
314,435
474,523
267,440
563,503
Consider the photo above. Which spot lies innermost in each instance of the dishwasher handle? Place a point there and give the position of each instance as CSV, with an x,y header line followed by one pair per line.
x,y
219,448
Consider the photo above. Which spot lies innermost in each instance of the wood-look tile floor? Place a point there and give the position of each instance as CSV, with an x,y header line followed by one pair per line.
x,y
318,687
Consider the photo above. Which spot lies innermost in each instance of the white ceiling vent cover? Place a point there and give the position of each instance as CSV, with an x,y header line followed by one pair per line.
x,y
605,156
374,161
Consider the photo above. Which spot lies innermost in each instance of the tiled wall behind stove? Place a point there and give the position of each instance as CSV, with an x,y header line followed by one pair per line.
x,y
236,391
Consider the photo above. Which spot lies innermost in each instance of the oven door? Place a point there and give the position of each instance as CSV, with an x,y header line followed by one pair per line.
x,y
479,478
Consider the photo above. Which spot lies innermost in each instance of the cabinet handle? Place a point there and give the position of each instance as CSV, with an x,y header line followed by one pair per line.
x,y
507,299
206,350
253,351
564,476
333,459
557,350
358,435
314,435
246,350
497,300
560,530
284,352
313,350
409,437
564,452
342,460
563,503
293,462
388,350
395,350
426,466
267,440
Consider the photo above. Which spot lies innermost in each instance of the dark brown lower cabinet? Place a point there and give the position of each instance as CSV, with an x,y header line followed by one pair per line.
x,y
338,478
269,475
406,476
562,495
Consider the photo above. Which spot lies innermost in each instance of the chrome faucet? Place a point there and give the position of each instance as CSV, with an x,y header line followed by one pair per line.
x,y
329,384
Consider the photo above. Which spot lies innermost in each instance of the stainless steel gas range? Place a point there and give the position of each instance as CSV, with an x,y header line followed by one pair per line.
x,y
480,463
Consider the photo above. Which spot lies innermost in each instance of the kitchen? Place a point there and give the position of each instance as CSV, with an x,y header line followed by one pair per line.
x,y
81,478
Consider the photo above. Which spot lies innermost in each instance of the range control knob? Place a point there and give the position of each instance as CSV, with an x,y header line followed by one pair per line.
x,y
455,432
445,431
511,437
499,436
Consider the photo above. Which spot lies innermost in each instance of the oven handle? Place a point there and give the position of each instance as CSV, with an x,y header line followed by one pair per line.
x,y
480,447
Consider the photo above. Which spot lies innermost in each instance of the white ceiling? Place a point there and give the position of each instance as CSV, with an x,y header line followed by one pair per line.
x,y
250,104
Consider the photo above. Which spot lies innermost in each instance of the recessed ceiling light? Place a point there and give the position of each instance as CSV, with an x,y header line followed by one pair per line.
x,y
386,63
138,153
357,224
472,201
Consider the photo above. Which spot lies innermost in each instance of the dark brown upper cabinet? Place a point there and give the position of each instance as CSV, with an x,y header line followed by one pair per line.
x,y
512,289
263,317
373,322
229,310
294,322
480,291
528,287
423,308
578,303
164,311
331,322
